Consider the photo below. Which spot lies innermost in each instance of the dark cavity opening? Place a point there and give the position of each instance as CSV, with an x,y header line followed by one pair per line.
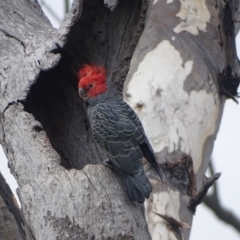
x,y
54,101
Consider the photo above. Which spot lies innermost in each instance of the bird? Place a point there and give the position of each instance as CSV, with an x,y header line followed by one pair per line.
x,y
117,129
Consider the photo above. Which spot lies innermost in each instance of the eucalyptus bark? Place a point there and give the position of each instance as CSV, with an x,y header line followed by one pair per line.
x,y
44,129
183,69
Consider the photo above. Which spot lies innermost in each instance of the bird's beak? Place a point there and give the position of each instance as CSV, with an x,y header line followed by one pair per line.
x,y
82,93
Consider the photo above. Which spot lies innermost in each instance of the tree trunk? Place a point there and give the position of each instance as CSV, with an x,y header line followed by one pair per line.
x,y
185,61
44,128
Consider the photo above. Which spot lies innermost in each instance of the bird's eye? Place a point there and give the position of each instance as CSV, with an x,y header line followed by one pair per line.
x,y
90,85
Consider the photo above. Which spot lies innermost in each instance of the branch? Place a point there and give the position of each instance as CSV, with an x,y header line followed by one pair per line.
x,y
225,215
66,6
214,204
50,10
198,198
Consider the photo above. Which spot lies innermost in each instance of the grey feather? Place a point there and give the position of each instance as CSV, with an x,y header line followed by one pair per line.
x,y
118,130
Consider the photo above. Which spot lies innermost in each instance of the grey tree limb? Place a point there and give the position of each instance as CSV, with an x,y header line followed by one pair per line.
x,y
213,203
221,212
51,11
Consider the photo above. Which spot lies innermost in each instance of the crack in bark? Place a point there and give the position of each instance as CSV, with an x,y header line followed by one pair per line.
x,y
58,181
12,36
90,181
10,104
107,194
68,178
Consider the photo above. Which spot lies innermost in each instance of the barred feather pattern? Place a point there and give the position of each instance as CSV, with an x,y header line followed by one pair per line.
x,y
118,130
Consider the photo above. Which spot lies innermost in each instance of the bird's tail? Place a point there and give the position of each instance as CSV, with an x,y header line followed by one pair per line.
x,y
138,186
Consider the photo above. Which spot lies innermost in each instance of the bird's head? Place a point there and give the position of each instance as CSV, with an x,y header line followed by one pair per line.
x,y
92,81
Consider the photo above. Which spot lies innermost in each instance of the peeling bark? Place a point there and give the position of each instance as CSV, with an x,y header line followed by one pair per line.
x,y
184,67
44,130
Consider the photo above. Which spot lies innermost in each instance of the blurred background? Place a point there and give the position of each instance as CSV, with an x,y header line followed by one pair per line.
x,y
225,158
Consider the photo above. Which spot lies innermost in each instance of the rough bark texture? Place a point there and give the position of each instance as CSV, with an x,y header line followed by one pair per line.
x,y
185,61
44,130
12,224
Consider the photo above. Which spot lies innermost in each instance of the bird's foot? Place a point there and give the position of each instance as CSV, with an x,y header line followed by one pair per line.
x,y
107,163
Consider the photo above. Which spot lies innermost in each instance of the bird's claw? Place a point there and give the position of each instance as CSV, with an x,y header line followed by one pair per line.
x,y
107,163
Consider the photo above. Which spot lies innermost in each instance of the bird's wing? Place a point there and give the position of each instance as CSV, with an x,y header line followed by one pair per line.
x,y
119,136
145,145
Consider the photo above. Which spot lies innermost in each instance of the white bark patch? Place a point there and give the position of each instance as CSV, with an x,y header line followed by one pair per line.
x,y
194,16
165,203
171,117
169,1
